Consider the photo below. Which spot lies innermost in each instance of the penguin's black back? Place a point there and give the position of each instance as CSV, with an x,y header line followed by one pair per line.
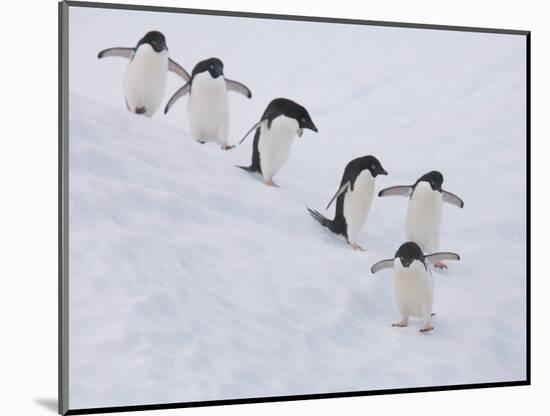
x,y
255,166
351,172
276,108
353,169
268,115
339,224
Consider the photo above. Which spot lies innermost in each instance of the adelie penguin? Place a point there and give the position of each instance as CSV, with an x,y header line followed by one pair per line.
x,y
208,106
413,282
423,220
353,199
145,79
281,122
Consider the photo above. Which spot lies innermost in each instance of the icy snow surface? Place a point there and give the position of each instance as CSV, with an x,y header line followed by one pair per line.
x,y
191,280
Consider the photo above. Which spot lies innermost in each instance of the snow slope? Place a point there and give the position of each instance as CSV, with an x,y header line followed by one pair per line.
x,y
191,280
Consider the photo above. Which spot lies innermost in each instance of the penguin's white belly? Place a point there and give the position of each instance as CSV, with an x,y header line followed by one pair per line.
x,y
208,109
424,218
145,80
413,290
357,204
275,144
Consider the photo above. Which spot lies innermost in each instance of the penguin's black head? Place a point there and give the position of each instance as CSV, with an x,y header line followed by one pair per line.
x,y
305,121
213,65
409,252
372,164
155,39
434,178
290,109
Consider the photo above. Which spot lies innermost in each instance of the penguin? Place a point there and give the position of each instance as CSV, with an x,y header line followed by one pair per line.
x,y
145,79
423,219
353,199
281,122
208,106
413,282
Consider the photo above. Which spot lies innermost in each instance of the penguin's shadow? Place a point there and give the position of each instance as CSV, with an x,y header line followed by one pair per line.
x,y
441,272
256,176
49,404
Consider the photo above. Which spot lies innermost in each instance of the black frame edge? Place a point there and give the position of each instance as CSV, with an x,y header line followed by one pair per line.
x,y
528,201
63,398
167,406
63,295
255,15
59,214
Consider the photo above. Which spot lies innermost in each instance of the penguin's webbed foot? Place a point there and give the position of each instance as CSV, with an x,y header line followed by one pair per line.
x,y
140,110
271,183
201,141
401,324
357,247
227,147
427,328
440,265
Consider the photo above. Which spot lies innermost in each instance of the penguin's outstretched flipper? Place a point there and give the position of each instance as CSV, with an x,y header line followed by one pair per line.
x,y
340,191
120,52
254,127
177,69
452,199
438,257
401,190
238,87
177,95
381,265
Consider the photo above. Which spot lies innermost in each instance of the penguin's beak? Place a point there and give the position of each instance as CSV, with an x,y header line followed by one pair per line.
x,y
158,47
311,126
216,72
405,262
382,172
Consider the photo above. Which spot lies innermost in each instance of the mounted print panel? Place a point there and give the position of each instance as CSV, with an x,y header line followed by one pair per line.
x,y
259,208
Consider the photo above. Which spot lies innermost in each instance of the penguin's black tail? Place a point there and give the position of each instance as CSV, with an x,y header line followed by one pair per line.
x,y
321,219
337,225
250,168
